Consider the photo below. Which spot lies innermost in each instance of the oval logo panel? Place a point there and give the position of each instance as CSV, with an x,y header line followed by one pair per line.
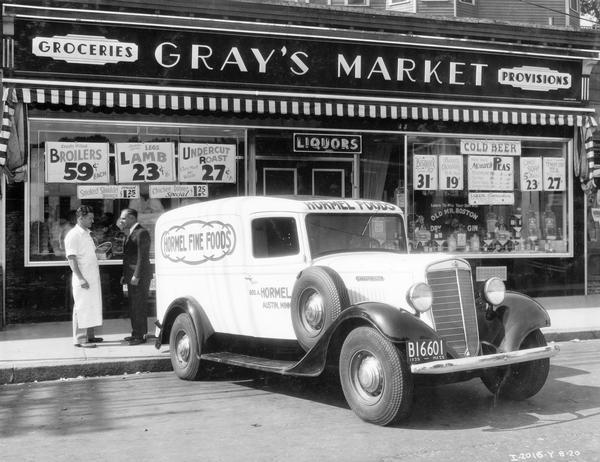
x,y
196,242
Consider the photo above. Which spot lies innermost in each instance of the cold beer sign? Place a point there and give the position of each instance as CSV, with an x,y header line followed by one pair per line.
x,y
145,162
76,162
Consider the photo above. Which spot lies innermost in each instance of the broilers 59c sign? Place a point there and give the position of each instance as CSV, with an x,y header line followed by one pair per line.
x,y
281,62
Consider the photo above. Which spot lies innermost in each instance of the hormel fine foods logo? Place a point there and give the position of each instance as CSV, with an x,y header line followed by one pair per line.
x,y
196,242
534,78
84,49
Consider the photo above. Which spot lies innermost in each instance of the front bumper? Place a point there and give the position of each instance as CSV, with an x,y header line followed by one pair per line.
x,y
447,366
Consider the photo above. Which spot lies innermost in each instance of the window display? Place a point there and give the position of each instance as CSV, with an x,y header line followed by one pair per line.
x,y
151,167
488,196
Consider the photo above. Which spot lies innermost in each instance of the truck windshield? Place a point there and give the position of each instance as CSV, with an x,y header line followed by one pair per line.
x,y
329,233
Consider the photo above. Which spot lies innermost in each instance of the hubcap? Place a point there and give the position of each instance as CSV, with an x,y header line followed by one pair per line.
x,y
313,312
183,347
367,376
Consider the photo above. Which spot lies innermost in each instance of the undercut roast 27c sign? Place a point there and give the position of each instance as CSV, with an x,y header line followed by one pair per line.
x,y
284,62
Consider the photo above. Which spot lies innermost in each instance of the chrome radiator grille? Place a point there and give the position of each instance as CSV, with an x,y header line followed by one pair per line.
x,y
453,308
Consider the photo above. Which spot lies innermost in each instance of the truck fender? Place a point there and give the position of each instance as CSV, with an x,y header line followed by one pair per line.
x,y
189,305
395,324
520,315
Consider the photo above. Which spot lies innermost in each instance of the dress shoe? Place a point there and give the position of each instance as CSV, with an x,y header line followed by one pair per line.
x,y
95,340
85,345
129,339
137,341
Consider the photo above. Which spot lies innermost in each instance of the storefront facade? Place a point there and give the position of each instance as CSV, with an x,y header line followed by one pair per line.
x,y
479,142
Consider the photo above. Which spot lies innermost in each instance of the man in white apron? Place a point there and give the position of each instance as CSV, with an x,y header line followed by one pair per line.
x,y
81,254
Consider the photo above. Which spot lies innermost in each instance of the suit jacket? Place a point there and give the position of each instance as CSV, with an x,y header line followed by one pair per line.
x,y
136,255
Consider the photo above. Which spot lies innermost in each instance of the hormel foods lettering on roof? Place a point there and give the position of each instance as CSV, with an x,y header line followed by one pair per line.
x,y
84,49
196,242
350,206
534,78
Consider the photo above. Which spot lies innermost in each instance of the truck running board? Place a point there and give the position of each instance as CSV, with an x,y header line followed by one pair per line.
x,y
252,362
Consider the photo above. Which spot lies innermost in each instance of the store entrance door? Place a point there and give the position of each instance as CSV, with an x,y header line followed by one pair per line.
x,y
304,177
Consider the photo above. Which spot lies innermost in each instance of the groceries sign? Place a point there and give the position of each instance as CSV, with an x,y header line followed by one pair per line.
x,y
275,61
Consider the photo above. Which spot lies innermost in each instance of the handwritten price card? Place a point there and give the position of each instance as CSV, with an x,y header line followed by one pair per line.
x,y
108,192
207,162
451,173
145,162
425,172
554,174
159,191
487,173
531,174
76,162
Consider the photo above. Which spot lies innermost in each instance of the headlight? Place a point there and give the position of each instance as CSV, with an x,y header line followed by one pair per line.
x,y
494,291
420,297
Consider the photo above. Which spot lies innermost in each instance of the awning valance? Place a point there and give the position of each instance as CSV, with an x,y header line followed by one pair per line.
x,y
226,101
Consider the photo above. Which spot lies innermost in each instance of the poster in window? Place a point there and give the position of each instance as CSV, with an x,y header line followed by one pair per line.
x,y
554,174
491,173
207,162
425,172
145,162
531,174
451,173
76,162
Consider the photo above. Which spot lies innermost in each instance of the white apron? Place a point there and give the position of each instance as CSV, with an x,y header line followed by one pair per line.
x,y
88,302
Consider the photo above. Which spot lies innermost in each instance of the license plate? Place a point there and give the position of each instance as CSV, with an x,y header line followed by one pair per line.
x,y
421,351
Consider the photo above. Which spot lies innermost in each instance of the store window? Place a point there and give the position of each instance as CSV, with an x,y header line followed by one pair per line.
x,y
484,196
114,165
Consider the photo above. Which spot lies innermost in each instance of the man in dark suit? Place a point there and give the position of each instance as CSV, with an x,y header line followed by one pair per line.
x,y
137,273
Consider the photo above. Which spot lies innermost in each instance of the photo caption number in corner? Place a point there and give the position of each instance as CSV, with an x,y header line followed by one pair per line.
x,y
544,455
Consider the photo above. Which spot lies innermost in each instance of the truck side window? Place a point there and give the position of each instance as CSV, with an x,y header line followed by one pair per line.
x,y
274,237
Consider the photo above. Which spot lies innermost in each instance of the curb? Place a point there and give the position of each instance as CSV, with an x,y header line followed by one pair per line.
x,y
575,335
53,371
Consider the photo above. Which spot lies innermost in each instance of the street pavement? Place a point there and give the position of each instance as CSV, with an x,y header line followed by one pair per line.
x,y
45,351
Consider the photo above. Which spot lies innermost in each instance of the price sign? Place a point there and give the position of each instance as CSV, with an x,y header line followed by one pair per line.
x,y
554,174
425,172
159,191
487,173
207,162
451,173
76,162
145,162
531,174
108,192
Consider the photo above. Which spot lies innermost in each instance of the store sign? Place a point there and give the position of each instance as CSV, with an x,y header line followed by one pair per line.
x,y
207,162
425,172
145,162
534,78
84,49
327,143
555,177
490,147
488,173
531,174
279,61
163,191
108,192
490,198
451,173
76,162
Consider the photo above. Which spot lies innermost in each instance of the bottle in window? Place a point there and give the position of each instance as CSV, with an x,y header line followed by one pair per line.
x,y
549,220
532,229
516,222
491,221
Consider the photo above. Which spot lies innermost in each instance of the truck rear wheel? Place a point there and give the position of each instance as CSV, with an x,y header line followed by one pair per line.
x,y
184,347
522,380
375,377
318,297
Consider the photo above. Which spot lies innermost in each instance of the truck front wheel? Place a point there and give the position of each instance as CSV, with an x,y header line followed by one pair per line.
x,y
375,377
184,347
522,380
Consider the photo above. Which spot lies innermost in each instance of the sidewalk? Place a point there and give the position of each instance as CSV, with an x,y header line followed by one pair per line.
x,y
45,351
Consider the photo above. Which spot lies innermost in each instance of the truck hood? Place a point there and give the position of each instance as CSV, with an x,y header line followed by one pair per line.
x,y
380,276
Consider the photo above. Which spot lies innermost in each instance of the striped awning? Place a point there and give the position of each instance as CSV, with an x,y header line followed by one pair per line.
x,y
225,101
